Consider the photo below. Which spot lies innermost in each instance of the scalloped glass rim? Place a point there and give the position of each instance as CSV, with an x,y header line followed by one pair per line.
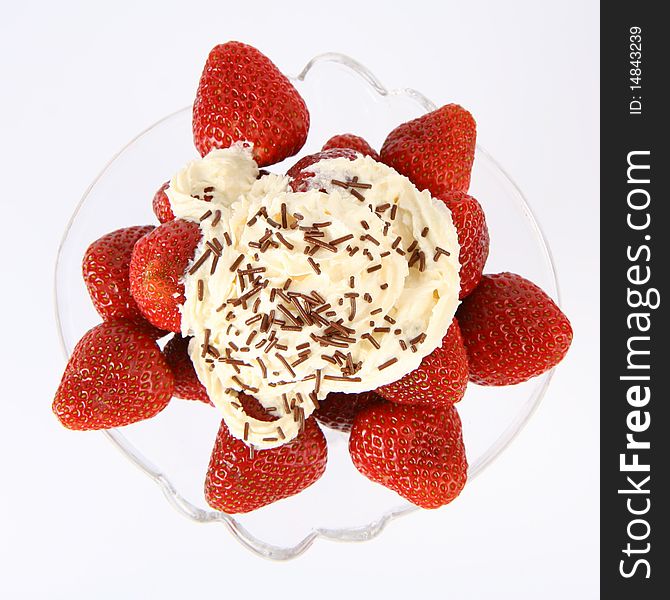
x,y
373,528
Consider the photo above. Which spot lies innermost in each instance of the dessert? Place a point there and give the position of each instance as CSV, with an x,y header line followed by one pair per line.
x,y
326,295
292,295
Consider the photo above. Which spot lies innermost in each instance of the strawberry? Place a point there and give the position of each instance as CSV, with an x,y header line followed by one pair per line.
x,y
186,383
241,97
161,204
473,237
299,173
512,330
415,451
441,378
157,265
338,410
240,481
115,376
355,142
105,270
435,151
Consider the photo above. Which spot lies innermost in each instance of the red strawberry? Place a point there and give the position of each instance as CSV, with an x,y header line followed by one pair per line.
x,y
355,142
115,376
186,383
415,451
435,151
161,204
299,173
512,330
242,96
105,270
158,263
441,378
338,410
238,483
473,237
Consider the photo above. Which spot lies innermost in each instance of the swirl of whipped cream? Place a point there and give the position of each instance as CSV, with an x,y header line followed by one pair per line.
x,y
293,295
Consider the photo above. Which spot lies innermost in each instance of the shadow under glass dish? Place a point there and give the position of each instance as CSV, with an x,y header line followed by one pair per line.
x,y
174,447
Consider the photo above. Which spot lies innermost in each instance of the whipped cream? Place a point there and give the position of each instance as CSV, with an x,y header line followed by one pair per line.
x,y
293,295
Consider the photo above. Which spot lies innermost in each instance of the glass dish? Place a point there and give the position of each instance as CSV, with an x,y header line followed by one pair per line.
x,y
174,447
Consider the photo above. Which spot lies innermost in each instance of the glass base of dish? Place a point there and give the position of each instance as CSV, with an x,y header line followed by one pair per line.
x,y
174,447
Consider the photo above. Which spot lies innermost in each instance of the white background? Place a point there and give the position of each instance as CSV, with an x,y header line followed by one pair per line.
x,y
78,81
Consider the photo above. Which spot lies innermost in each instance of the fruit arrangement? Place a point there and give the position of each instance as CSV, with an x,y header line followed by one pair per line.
x,y
347,293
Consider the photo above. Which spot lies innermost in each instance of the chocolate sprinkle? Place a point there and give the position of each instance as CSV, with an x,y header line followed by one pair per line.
x,y
205,344
237,263
314,265
285,363
200,261
284,221
284,241
339,240
418,339
285,311
362,186
372,340
352,310
438,252
388,363
320,244
317,384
